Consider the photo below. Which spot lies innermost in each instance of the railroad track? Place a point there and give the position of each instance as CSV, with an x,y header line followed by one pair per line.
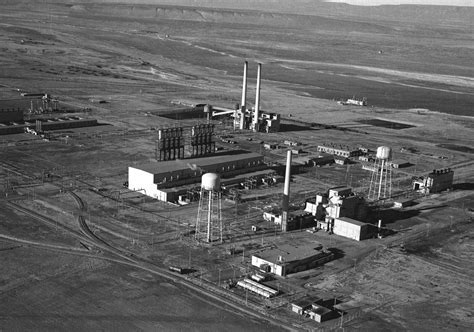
x,y
122,257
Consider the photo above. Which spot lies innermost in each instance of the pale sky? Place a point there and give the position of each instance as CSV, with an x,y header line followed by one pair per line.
x,y
469,3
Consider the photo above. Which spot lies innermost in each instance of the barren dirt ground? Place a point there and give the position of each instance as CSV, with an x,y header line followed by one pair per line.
x,y
78,252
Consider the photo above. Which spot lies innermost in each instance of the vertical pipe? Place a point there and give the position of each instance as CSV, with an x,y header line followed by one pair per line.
x,y
243,104
257,98
286,193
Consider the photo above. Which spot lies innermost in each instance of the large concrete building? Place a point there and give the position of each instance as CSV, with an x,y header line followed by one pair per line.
x,y
161,179
288,259
335,210
338,202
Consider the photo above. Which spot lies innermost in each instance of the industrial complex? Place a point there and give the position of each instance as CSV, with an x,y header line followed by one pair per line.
x,y
218,187
138,177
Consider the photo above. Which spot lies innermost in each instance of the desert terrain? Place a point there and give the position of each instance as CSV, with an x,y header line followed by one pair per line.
x,y
79,251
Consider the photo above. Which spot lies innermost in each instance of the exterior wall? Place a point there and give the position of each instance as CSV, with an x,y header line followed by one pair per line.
x,y
368,167
274,268
321,315
296,308
349,230
311,208
308,263
441,181
436,181
333,211
341,161
139,180
268,216
321,160
56,125
339,191
294,266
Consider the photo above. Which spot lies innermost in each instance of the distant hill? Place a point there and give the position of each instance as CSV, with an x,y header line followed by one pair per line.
x,y
403,13
455,16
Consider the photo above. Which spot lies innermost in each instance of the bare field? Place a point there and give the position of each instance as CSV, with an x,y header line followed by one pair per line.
x,y
80,252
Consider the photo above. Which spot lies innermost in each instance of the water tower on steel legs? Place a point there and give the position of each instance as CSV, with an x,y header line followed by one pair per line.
x,y
381,179
209,220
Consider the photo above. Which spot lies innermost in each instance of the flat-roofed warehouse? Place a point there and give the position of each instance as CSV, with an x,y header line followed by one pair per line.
x,y
288,259
350,228
159,179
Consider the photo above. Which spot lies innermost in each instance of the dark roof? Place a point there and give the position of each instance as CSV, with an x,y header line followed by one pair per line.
x,y
304,303
181,164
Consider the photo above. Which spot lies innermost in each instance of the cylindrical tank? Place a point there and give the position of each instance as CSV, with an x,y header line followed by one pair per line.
x,y
384,152
211,181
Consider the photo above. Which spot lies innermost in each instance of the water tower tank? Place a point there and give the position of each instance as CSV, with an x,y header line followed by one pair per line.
x,y
207,108
384,152
211,182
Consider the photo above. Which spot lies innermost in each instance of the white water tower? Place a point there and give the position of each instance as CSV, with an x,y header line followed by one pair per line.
x,y
381,179
209,220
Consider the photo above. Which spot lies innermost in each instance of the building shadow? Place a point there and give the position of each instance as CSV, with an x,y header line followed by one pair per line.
x,y
338,253
292,127
463,186
389,216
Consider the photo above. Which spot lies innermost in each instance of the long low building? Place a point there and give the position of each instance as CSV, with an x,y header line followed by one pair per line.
x,y
258,288
347,152
159,179
289,259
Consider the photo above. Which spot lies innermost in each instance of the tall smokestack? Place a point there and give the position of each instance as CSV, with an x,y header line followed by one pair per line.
x,y
243,104
286,193
257,98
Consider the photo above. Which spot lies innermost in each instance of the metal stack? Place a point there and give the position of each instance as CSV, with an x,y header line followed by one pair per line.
x,y
170,144
202,140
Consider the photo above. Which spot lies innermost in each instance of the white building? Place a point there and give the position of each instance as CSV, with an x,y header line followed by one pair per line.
x,y
288,259
350,228
161,180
